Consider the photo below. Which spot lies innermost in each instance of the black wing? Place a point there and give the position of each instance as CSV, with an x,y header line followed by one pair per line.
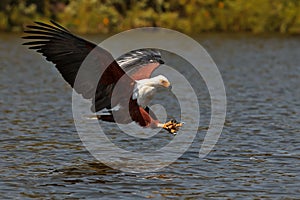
x,y
68,52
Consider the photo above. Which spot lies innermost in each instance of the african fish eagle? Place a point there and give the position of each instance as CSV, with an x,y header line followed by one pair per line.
x,y
133,70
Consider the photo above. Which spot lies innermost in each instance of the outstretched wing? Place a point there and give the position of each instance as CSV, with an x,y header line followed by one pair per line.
x,y
140,64
68,52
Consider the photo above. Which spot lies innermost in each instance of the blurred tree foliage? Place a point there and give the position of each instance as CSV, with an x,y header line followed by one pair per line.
x,y
188,16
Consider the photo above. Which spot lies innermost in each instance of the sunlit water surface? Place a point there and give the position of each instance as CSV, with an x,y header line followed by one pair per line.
x,y
257,155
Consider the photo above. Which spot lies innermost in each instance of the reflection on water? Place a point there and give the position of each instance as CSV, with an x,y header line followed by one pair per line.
x,y
257,155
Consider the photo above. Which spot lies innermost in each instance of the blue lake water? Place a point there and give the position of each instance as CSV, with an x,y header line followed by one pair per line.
x,y
256,157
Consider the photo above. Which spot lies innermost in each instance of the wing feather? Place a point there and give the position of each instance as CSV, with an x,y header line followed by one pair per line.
x,y
68,52
140,64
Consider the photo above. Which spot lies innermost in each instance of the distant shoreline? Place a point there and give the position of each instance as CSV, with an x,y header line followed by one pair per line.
x,y
190,17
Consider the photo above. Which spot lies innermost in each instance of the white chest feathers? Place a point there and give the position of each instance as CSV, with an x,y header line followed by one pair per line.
x,y
145,89
143,93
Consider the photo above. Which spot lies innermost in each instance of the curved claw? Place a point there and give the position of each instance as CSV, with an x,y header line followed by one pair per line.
x,y
172,126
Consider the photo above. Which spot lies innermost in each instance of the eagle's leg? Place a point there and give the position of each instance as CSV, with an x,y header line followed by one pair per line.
x,y
144,119
171,126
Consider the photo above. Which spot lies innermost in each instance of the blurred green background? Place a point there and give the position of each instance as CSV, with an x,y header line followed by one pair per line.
x,y
188,16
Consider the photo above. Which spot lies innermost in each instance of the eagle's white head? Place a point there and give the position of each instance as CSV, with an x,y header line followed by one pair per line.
x,y
159,81
145,89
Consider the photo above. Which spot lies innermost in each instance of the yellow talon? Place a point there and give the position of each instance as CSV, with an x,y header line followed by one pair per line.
x,y
172,126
